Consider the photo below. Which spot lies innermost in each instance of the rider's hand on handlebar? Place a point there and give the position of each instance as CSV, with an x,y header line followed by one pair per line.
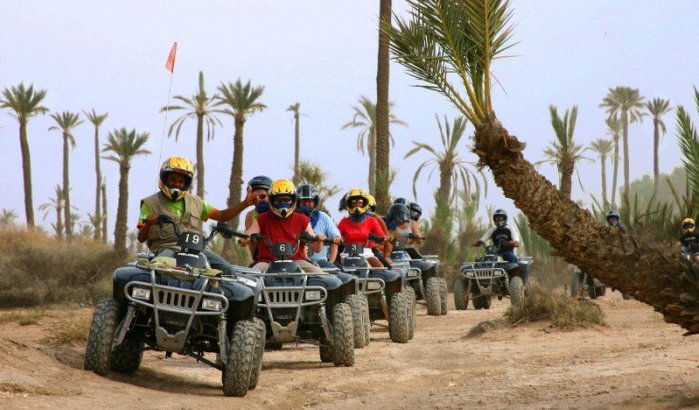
x,y
243,241
337,240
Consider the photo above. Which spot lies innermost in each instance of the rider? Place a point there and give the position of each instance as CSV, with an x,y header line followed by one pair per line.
x,y
504,238
359,224
322,224
283,225
613,219
689,239
173,201
259,186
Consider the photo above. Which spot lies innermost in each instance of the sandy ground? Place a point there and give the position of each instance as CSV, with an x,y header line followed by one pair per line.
x,y
637,361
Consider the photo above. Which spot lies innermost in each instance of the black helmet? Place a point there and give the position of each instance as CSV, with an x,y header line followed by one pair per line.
x,y
308,191
613,214
342,205
260,182
415,211
400,201
398,213
500,212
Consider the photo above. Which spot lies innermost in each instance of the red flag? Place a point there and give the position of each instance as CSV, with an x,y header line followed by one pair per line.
x,y
170,64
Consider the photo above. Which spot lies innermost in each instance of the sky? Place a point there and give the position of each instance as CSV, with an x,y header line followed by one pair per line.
x,y
110,56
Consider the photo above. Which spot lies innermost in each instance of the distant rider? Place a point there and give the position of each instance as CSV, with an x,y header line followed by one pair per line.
x,y
613,219
689,240
503,238
173,201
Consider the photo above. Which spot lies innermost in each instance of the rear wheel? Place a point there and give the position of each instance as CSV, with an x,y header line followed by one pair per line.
x,y
242,351
461,293
443,295
434,303
99,342
399,324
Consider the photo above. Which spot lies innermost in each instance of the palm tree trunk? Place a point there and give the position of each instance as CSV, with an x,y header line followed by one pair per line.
x,y
652,275
200,156
66,188
27,174
235,183
104,210
656,165
626,159
59,218
372,160
605,204
122,209
297,147
382,111
98,185
567,179
615,160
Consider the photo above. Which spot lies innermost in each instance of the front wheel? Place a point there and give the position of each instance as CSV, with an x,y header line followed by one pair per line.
x,y
241,358
443,296
399,324
434,303
357,308
343,335
259,352
126,358
462,292
517,291
98,354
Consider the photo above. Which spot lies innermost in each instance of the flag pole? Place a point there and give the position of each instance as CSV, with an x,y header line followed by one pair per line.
x,y
170,66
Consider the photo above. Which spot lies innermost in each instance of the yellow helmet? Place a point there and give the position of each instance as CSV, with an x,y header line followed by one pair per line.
x,y
688,225
372,202
357,194
180,165
279,189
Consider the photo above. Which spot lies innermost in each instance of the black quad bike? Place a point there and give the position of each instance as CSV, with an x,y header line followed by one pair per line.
x,y
180,305
299,306
487,277
431,286
385,291
581,281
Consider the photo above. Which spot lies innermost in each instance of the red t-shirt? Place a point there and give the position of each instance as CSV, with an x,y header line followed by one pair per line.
x,y
359,231
279,229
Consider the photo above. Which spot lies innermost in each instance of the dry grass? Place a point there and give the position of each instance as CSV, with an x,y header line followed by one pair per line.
x,y
561,310
38,269
23,317
68,330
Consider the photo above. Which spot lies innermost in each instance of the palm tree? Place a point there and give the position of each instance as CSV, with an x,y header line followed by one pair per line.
x,y
603,148
297,139
25,103
7,218
364,118
103,188
55,204
689,145
452,168
200,107
240,101
312,173
124,145
97,120
383,109
455,59
614,127
657,107
563,151
66,121
626,104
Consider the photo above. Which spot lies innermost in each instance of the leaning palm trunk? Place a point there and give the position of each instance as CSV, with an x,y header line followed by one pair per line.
x,y
664,281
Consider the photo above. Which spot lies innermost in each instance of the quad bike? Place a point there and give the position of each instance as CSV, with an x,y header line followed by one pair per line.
x,y
432,288
299,306
180,305
386,291
581,280
490,276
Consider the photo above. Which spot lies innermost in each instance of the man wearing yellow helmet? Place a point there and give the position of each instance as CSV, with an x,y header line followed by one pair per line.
x,y
189,211
282,225
689,241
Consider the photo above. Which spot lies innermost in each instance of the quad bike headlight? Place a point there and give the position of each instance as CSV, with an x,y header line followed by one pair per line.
x,y
313,295
211,304
373,285
470,274
140,293
413,273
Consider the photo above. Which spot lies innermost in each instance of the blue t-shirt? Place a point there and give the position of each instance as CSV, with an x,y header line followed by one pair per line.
x,y
326,226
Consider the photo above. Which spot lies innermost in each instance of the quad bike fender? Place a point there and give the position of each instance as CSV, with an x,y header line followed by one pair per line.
x,y
334,286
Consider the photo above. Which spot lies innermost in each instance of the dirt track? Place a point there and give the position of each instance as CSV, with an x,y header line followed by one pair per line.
x,y
638,361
